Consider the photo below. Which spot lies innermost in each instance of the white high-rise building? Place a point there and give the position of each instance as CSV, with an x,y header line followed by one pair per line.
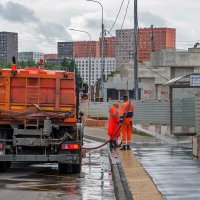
x,y
28,56
83,66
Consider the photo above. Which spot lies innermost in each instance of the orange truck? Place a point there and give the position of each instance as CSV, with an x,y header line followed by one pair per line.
x,y
39,119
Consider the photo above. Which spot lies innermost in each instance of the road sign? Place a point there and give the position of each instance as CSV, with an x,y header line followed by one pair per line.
x,y
194,80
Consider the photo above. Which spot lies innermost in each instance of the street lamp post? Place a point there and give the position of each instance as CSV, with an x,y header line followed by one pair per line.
x,y
90,52
102,50
136,95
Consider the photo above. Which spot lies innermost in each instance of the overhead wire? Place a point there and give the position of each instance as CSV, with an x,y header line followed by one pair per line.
x,y
52,41
125,14
39,40
120,44
117,16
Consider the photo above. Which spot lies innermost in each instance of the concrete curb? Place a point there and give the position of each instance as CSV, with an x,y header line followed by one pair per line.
x,y
119,189
122,190
163,138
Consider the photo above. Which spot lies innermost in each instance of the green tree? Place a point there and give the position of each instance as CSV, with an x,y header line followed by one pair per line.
x,y
52,66
69,66
4,64
112,74
72,67
29,63
64,64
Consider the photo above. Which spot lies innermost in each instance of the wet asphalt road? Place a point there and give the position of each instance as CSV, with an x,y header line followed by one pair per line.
x,y
42,181
173,169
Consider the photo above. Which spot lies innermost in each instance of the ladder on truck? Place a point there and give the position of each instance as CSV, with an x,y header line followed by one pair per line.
x,y
32,97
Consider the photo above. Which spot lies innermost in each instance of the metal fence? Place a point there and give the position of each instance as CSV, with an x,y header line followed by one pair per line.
x,y
150,111
184,112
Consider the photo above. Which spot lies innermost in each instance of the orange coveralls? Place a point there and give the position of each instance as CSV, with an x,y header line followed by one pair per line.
x,y
113,126
126,114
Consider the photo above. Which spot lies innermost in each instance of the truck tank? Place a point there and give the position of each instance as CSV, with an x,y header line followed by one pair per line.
x,y
39,118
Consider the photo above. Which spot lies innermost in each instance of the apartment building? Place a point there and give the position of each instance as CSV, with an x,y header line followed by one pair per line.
x,y
26,56
86,48
124,51
83,67
65,49
50,56
154,39
109,46
149,40
8,46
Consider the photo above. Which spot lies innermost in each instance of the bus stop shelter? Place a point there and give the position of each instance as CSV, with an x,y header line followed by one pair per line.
x,y
183,104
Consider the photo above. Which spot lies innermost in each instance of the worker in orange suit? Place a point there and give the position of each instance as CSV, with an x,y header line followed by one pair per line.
x,y
113,125
126,114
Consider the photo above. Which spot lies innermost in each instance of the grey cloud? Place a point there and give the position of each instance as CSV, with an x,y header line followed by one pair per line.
x,y
93,23
52,30
147,19
16,12
96,23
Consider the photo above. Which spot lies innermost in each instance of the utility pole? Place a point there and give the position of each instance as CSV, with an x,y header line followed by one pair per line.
x,y
102,49
90,57
102,58
152,39
136,80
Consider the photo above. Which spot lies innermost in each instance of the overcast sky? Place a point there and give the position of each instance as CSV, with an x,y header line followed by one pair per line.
x,y
41,23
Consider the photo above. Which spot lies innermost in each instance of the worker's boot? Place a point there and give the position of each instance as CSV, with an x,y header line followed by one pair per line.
x,y
110,145
128,147
114,144
123,147
118,144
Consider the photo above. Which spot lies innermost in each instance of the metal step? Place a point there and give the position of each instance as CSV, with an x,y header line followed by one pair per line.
x,y
33,123
28,125
27,131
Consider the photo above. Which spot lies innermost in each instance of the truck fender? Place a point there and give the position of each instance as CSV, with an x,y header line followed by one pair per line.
x,y
80,129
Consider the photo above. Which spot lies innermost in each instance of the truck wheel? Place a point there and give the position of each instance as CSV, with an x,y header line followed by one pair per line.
x,y
76,168
63,168
4,166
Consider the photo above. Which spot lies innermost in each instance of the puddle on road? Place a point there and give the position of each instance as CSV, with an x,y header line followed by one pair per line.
x,y
173,169
93,183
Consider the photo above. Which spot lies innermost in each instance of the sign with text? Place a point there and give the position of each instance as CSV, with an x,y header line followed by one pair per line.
x,y
194,80
147,91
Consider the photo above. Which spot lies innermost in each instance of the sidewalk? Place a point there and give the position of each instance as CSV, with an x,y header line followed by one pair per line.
x,y
139,182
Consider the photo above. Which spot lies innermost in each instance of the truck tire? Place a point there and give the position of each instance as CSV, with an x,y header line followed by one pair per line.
x,y
4,166
64,168
76,168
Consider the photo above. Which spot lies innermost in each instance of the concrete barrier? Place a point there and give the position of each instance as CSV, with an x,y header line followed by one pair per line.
x,y
96,122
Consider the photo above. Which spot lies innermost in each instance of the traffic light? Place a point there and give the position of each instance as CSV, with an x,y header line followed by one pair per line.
x,y
85,88
84,96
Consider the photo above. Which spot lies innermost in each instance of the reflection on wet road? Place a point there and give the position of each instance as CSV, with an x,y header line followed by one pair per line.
x,y
172,168
42,181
